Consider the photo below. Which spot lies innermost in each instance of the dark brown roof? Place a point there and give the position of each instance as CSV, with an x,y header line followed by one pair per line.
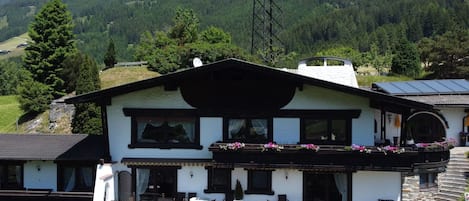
x,y
74,147
104,96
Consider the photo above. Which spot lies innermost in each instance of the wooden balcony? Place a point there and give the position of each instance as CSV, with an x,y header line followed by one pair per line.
x,y
338,158
44,195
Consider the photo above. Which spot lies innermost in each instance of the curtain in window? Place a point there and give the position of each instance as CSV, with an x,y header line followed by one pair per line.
x,y
69,179
184,128
142,181
187,126
260,126
341,184
235,125
87,174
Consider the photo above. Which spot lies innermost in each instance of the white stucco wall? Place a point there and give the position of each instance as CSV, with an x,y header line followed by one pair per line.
x,y
454,117
40,175
369,185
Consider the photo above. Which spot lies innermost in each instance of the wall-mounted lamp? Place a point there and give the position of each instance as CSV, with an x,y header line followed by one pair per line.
x,y
389,117
191,174
38,167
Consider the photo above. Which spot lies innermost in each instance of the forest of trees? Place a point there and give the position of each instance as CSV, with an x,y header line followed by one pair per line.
x,y
309,26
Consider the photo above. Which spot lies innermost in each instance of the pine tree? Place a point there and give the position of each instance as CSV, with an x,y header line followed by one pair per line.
x,y
110,56
53,40
87,117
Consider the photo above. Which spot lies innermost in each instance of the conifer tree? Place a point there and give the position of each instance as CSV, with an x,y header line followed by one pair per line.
x,y
110,56
53,40
87,117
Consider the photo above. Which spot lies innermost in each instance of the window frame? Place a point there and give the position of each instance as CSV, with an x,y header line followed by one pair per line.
x,y
210,175
425,181
226,135
163,113
77,167
250,188
348,131
5,185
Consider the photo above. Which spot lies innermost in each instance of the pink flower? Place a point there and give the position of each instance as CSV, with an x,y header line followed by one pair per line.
x,y
271,146
310,147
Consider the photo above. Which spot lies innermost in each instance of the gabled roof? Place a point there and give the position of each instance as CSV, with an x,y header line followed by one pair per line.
x,y
74,147
104,96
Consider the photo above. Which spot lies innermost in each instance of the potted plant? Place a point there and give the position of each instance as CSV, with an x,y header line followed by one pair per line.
x,y
238,193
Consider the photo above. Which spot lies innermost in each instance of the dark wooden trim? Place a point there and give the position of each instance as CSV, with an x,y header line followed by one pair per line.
x,y
174,112
349,186
105,128
227,112
134,113
165,146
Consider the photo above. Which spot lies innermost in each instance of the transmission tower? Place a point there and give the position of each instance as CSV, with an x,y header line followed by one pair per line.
x,y
266,25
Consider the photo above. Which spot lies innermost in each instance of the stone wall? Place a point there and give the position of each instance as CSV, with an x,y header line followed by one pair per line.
x,y
411,189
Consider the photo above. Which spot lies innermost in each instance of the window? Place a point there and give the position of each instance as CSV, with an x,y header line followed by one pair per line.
x,y
219,180
11,176
427,180
326,131
259,182
76,178
164,128
251,130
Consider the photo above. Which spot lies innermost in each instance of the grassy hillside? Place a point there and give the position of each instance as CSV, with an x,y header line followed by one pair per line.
x,y
10,112
11,44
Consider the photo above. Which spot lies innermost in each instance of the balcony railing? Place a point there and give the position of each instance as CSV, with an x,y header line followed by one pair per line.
x,y
431,157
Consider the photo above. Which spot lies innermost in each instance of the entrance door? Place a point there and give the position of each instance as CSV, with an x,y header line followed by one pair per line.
x,y
320,187
162,182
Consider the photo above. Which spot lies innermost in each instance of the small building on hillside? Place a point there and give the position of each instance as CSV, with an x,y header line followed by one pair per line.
x,y
280,133
49,167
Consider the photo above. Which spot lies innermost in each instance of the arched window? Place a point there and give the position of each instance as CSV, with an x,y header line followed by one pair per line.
x,y
425,127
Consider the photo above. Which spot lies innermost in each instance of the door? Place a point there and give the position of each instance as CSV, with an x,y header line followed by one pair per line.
x,y
320,187
163,180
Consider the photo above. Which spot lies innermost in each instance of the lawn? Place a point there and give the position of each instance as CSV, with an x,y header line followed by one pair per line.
x,y
11,44
122,75
366,81
9,113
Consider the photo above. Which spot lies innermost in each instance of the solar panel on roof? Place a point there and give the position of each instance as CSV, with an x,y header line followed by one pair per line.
x,y
451,84
425,87
389,88
439,88
406,87
464,84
